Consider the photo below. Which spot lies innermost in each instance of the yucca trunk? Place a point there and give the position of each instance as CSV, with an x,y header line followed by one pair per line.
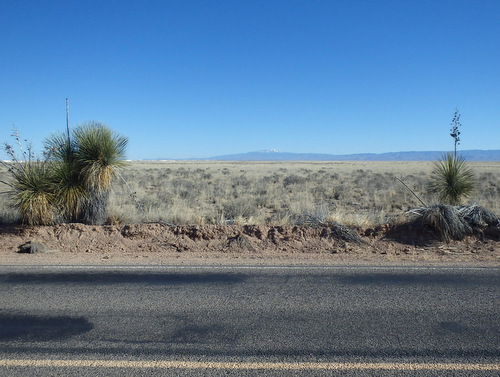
x,y
95,211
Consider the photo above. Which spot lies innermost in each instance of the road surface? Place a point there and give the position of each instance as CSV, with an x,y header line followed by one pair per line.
x,y
273,321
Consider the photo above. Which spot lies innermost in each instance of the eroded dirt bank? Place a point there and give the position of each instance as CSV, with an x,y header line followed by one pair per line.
x,y
162,244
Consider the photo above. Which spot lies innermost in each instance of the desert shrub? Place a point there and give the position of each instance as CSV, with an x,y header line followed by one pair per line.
x,y
319,215
479,217
74,179
293,180
239,208
456,222
68,189
351,199
452,180
241,182
32,190
447,221
184,188
100,154
489,189
31,185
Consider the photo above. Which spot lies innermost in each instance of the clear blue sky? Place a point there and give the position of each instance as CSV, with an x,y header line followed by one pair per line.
x,y
186,78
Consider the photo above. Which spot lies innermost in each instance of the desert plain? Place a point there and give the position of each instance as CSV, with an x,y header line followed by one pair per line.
x,y
292,213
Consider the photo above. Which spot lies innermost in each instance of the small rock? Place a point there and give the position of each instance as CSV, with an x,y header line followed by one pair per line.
x,y
33,247
241,242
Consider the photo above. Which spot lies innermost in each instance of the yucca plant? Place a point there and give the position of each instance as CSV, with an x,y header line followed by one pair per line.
x,y
31,191
70,193
72,183
456,222
99,154
30,185
452,180
68,188
446,219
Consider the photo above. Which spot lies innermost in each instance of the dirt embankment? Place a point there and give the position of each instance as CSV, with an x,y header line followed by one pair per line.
x,y
162,244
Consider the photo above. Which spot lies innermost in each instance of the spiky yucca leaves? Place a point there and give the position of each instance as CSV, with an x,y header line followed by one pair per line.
x,y
100,154
73,181
31,189
59,148
70,194
447,221
479,217
456,222
68,188
30,184
452,180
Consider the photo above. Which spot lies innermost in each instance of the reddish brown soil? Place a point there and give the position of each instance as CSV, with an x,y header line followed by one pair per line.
x,y
162,244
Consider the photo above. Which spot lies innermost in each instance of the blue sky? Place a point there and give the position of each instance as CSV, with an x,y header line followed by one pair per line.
x,y
185,78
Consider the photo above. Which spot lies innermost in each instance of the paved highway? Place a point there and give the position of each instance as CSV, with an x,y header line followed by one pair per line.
x,y
242,321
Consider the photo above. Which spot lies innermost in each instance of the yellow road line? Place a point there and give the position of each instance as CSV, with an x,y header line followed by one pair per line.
x,y
245,365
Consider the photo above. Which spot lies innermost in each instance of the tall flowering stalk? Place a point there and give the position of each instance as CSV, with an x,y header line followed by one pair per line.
x,y
454,130
452,180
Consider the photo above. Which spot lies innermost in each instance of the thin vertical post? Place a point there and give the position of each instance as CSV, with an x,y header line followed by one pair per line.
x,y
67,118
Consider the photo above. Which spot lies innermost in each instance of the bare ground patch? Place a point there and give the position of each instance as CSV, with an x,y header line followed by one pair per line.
x,y
157,243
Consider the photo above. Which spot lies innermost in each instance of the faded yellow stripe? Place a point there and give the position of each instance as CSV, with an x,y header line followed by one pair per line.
x,y
244,365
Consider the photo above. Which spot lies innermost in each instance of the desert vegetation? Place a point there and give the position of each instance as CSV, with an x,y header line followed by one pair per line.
x,y
71,182
75,183
279,193
453,181
363,194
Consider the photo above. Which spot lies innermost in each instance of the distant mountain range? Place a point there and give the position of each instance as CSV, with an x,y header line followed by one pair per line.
x,y
274,155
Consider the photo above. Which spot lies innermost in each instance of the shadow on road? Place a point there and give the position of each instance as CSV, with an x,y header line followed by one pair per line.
x,y
25,327
111,277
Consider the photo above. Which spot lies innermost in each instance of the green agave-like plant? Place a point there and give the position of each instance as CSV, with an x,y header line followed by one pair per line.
x,y
31,185
70,193
68,188
73,182
32,191
100,154
452,179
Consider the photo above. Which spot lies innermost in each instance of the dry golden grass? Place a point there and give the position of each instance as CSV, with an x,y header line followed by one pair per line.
x,y
276,193
351,193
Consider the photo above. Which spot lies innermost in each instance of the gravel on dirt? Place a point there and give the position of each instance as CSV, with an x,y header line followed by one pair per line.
x,y
160,244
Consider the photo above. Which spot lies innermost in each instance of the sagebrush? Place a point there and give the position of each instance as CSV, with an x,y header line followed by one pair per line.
x,y
210,192
280,193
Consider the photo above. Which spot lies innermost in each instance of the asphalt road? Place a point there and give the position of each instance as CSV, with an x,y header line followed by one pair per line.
x,y
243,321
